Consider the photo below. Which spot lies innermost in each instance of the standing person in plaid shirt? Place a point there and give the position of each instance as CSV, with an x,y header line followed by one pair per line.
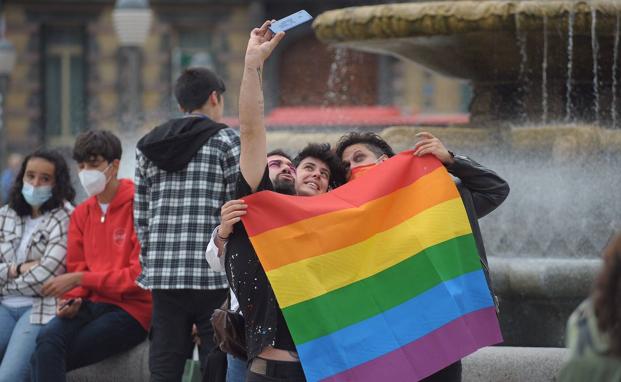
x,y
185,170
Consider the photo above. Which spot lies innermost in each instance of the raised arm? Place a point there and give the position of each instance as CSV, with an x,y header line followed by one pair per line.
x,y
251,105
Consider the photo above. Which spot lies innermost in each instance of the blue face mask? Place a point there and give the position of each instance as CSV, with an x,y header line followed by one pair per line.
x,y
36,196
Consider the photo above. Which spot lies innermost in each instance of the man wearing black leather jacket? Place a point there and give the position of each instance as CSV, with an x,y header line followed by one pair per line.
x,y
481,190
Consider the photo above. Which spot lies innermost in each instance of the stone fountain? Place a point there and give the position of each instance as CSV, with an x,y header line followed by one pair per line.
x,y
536,61
546,86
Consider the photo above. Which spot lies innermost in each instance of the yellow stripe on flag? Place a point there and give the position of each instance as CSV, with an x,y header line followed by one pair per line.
x,y
298,282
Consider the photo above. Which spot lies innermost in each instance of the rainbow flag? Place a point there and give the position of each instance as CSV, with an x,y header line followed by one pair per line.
x,y
380,279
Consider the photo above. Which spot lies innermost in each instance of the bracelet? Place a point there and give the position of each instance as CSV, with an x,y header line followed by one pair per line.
x,y
18,269
220,237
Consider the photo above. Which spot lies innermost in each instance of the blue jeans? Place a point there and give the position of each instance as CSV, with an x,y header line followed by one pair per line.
x,y
17,342
97,332
235,369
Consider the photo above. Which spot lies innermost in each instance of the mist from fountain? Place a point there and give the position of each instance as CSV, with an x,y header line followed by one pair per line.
x,y
337,85
544,73
595,51
570,60
552,211
522,75
615,67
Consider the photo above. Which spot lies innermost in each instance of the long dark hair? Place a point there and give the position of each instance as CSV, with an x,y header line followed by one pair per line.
x,y
61,192
607,295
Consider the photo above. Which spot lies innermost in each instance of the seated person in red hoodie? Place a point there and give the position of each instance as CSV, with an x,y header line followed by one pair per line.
x,y
102,311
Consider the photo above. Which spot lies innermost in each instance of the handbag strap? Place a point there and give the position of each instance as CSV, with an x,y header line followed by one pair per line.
x,y
227,303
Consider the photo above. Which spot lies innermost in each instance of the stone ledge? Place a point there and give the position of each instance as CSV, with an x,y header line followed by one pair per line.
x,y
496,363
513,364
133,365
547,278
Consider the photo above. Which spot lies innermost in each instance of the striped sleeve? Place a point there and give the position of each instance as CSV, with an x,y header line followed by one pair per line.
x,y
141,206
7,227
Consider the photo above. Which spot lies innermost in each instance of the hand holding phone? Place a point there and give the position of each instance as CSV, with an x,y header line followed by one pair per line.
x,y
69,308
290,21
67,304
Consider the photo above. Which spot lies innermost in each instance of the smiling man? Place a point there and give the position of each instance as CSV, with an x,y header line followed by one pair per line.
x,y
316,166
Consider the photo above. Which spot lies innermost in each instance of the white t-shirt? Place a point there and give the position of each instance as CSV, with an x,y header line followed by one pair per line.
x,y
217,263
104,207
30,226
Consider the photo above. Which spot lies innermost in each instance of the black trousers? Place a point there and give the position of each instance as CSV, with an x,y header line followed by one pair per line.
x,y
451,373
174,313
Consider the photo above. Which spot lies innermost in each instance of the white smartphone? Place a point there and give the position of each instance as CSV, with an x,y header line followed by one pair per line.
x,y
290,21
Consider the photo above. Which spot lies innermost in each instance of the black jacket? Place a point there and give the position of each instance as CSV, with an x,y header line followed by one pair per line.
x,y
481,190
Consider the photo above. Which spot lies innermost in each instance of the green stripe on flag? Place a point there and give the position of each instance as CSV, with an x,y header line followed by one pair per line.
x,y
382,291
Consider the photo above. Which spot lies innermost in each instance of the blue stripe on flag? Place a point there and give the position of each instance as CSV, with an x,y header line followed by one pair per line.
x,y
394,328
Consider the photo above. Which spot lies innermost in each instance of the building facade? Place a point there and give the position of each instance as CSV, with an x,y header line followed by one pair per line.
x,y
70,74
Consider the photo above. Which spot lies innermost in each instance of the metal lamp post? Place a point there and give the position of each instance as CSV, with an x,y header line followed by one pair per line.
x,y
7,62
132,21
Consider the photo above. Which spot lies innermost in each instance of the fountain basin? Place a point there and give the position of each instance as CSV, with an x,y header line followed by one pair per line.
x,y
476,40
537,297
513,364
527,60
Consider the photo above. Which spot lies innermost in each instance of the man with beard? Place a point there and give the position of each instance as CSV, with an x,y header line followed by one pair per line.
x,y
282,174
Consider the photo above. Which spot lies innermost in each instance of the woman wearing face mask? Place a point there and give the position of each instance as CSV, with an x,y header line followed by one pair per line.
x,y
33,236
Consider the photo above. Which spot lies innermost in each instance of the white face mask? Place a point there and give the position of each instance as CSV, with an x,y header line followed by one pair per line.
x,y
93,181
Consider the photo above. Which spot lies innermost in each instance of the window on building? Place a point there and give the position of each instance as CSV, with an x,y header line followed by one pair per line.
x,y
428,91
466,97
65,82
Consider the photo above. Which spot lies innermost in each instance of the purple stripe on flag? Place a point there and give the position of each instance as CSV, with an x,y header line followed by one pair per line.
x,y
433,352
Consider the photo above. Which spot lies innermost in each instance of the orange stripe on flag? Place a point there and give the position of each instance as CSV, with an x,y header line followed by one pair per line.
x,y
378,182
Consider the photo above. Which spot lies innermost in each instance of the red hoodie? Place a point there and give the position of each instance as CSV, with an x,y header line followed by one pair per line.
x,y
106,249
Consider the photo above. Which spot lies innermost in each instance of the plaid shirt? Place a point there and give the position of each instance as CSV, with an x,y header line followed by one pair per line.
x,y
175,213
48,245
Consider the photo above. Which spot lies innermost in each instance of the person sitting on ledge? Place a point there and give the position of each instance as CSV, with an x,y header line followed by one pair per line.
x,y
103,311
33,244
594,328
